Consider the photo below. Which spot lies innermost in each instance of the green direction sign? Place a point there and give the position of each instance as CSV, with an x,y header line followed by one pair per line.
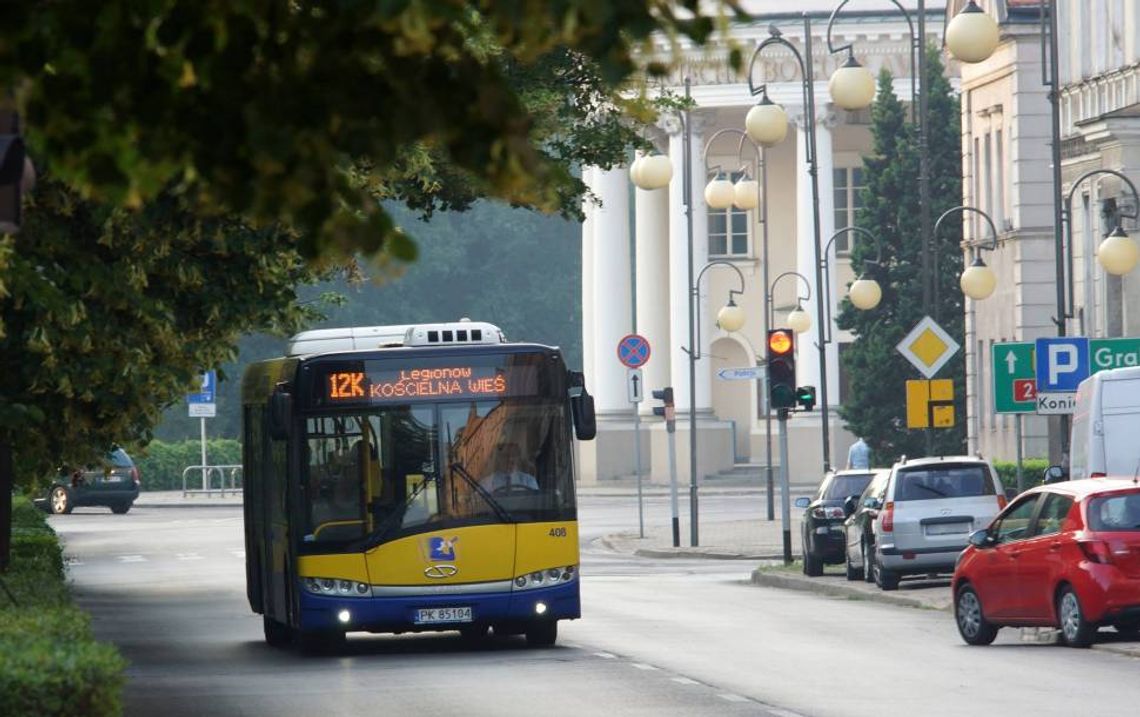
x,y
1113,353
1012,367
1015,382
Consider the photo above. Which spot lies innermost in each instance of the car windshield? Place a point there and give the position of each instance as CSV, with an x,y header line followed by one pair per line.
x,y
943,481
843,486
1115,512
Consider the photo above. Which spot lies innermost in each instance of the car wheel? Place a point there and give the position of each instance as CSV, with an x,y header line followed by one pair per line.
x,y
1076,631
276,634
868,574
60,501
885,578
120,508
973,626
851,572
813,564
542,633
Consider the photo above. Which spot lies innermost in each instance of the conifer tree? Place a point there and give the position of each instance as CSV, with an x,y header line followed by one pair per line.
x,y
876,405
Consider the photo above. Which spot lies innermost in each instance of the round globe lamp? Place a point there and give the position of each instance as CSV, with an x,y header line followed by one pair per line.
x,y
798,320
719,193
766,123
865,294
746,194
635,171
655,172
730,317
972,36
978,281
1118,253
852,86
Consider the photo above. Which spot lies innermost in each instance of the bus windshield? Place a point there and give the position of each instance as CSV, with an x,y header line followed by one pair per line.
x,y
387,471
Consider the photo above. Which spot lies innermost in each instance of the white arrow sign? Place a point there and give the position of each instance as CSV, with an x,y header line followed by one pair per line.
x,y
635,385
744,373
1011,362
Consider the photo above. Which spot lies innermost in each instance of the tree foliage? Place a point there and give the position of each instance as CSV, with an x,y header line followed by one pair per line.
x,y
876,409
110,314
303,112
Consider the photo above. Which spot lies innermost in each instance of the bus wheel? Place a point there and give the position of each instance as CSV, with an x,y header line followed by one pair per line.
x,y
276,634
474,633
542,633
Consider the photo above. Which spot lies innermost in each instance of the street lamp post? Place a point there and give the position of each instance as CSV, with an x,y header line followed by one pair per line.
x,y
767,124
864,293
1117,254
977,280
748,194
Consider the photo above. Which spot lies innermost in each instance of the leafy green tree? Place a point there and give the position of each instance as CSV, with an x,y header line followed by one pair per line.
x,y
304,112
109,315
876,407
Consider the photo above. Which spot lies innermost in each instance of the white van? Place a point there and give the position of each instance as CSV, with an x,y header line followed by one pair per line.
x,y
1106,425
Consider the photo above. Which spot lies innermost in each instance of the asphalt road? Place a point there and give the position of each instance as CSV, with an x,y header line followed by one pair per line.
x,y
659,636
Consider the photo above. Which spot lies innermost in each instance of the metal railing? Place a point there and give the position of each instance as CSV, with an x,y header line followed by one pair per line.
x,y
210,475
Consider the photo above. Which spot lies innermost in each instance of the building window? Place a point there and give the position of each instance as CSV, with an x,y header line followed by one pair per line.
x,y
728,229
848,201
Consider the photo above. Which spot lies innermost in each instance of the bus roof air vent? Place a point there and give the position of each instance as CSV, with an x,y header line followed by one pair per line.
x,y
453,333
352,338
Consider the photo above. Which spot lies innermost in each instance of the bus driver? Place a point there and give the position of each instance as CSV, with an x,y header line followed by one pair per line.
x,y
509,475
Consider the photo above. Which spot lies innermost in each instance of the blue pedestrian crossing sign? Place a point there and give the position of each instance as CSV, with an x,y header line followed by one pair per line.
x,y
1062,363
633,351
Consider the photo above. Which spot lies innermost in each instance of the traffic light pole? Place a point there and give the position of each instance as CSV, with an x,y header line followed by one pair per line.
x,y
666,411
785,500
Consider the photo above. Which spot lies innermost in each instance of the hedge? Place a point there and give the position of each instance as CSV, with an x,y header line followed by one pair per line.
x,y
50,664
161,463
1032,472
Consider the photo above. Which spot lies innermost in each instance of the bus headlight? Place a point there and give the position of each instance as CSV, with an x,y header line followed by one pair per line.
x,y
549,576
335,586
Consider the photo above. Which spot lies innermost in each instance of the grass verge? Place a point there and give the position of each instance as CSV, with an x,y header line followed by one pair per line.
x,y
50,663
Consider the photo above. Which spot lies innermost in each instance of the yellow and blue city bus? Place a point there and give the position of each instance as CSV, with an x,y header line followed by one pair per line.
x,y
412,478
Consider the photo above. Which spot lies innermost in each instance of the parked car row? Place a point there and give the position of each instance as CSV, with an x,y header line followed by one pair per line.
x,y
1064,555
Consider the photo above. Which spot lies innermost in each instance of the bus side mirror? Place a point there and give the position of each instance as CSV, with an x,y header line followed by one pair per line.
x,y
280,415
585,424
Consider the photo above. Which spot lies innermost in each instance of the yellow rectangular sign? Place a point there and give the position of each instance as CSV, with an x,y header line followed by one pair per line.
x,y
930,404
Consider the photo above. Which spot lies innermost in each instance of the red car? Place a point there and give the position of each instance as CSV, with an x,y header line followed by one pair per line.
x,y
1065,555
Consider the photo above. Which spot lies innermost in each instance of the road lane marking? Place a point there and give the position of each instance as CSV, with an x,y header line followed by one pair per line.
x,y
783,713
188,556
132,559
685,681
643,666
732,698
606,655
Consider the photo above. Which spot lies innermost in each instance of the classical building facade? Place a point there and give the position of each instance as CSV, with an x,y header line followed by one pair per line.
x,y
1007,167
636,246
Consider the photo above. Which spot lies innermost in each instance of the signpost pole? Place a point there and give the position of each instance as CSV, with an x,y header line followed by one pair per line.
x,y
1017,438
785,499
671,429
637,463
205,472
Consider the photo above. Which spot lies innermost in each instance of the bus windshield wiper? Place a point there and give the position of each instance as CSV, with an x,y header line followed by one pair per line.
x,y
504,516
392,521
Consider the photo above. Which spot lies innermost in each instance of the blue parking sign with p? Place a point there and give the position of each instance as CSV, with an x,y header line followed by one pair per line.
x,y
1062,363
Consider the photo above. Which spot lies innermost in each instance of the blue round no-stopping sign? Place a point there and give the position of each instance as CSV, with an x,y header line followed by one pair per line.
x,y
633,351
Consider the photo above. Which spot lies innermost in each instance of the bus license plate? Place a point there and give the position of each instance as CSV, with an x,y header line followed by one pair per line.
x,y
434,615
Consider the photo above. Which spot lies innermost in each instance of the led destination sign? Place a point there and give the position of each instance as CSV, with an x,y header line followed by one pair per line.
x,y
422,384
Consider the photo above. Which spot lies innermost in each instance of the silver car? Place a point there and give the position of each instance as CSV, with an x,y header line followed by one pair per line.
x,y
930,507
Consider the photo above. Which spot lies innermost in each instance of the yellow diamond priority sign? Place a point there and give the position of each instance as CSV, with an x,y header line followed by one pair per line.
x,y
928,347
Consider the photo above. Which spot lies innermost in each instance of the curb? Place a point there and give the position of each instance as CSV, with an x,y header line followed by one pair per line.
x,y
788,582
610,543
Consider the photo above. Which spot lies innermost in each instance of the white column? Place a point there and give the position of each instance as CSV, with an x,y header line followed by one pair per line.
x,y
826,164
678,276
700,124
611,277
588,286
807,361
652,254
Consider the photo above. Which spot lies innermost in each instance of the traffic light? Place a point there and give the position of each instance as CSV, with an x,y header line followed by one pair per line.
x,y
781,368
665,395
805,397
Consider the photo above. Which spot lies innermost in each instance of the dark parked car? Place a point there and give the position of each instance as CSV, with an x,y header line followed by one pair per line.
x,y
822,525
859,527
1065,555
113,483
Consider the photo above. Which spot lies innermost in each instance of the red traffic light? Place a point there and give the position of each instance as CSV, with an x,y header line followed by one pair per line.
x,y
780,341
